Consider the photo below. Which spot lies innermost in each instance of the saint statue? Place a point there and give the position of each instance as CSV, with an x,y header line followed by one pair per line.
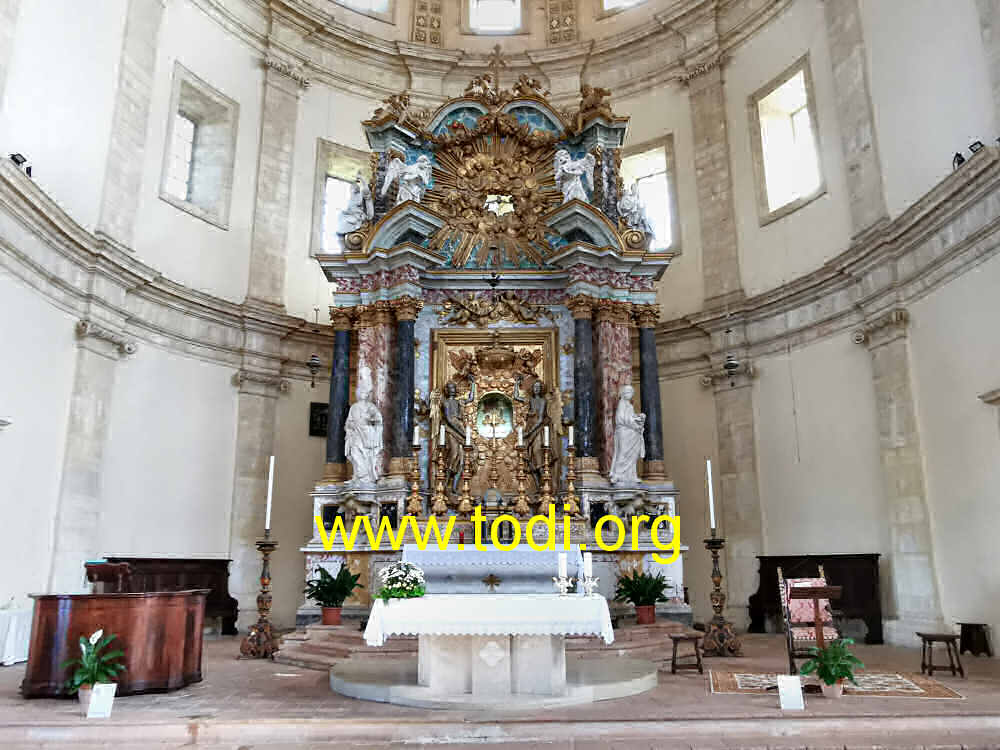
x,y
543,411
448,412
629,444
360,208
413,178
363,430
633,212
571,174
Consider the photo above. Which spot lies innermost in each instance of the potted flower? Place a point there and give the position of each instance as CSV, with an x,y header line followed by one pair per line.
x,y
401,580
643,591
329,592
93,666
833,664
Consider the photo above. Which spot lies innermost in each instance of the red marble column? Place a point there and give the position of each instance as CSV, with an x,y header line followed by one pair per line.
x,y
614,369
376,336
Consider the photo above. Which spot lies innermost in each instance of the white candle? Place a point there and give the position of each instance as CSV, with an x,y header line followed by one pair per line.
x,y
545,437
520,436
468,435
562,565
571,441
441,439
711,493
270,488
588,565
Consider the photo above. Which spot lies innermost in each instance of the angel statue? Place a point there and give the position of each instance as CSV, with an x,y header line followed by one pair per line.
x,y
447,413
413,178
571,174
363,428
543,411
633,212
629,443
360,208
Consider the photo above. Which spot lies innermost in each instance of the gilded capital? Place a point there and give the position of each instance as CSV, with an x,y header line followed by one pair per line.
x,y
614,311
646,316
581,306
407,308
340,317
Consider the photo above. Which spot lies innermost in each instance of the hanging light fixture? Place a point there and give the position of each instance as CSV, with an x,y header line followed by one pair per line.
x,y
314,362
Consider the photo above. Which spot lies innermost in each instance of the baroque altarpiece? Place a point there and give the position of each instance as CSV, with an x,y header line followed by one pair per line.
x,y
495,286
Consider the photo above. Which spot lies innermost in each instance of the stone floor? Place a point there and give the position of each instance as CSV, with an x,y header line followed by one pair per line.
x,y
255,704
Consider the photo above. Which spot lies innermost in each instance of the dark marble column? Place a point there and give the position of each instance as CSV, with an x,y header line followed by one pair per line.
x,y
406,309
340,394
649,391
584,396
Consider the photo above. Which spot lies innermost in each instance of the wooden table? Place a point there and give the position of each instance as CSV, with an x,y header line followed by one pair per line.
x,y
950,641
815,593
160,632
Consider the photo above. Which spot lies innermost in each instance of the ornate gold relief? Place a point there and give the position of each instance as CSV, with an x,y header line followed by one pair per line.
x,y
479,311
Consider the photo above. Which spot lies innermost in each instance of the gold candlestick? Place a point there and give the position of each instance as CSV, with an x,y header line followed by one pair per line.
x,y
465,499
571,499
720,637
521,507
260,642
545,499
439,502
415,505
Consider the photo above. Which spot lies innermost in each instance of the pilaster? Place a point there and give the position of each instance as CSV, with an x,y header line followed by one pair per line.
x,y
915,600
8,25
76,532
989,26
852,95
283,85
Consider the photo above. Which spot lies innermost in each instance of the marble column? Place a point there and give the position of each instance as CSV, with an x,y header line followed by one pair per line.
x,y
614,370
376,333
340,396
584,396
915,603
649,392
406,309
76,532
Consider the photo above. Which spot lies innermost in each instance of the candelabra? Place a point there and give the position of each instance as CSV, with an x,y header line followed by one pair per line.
x,y
562,583
415,505
571,499
545,498
465,499
260,642
439,501
521,507
590,585
720,638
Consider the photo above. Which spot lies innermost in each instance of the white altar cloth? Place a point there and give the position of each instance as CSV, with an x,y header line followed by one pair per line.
x,y
490,614
15,632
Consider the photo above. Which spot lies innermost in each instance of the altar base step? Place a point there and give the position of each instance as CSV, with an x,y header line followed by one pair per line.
x,y
587,680
323,646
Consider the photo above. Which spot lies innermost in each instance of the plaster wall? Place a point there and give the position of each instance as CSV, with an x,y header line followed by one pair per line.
x,y
656,114
182,246
930,91
817,451
954,351
803,240
59,97
168,472
35,391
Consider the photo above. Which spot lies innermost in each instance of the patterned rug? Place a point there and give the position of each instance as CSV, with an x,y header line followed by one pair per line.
x,y
876,684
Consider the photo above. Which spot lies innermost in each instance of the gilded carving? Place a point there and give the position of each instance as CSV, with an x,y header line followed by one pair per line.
x,y
481,312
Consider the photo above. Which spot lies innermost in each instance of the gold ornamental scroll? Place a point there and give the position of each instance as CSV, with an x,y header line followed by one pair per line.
x,y
499,356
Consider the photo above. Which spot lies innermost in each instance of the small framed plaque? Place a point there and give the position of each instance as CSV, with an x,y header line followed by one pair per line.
x,y
318,416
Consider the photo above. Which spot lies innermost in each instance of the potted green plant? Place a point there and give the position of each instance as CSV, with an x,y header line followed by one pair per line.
x,y
833,664
329,592
643,591
93,666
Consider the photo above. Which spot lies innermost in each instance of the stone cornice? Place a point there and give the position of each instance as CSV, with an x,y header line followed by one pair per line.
x,y
295,73
90,329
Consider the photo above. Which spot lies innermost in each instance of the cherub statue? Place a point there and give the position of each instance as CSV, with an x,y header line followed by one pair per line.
x,y
633,212
629,443
413,178
526,86
570,175
395,104
360,208
591,103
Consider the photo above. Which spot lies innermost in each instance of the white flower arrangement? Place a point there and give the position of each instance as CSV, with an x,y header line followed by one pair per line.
x,y
401,580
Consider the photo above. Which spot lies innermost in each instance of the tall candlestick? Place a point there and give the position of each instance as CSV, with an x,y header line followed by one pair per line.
x,y
545,437
416,436
588,565
441,439
571,434
468,435
520,436
711,493
270,489
562,564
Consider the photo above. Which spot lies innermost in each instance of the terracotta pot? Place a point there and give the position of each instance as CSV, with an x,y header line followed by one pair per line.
x,y
833,691
331,615
645,614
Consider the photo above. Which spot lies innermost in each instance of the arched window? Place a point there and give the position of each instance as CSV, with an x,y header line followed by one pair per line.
x,y
494,16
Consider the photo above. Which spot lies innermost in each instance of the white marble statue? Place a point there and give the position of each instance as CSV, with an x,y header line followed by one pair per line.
x,y
413,178
633,212
571,175
363,443
629,444
359,207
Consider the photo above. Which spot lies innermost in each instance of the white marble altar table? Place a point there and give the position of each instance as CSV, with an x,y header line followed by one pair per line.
x,y
15,632
491,644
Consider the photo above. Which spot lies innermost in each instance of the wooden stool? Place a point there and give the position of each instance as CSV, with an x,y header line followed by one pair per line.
x,y
974,639
950,641
692,638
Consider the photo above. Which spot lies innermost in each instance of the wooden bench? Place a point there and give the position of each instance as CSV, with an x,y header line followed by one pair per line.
x,y
950,641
